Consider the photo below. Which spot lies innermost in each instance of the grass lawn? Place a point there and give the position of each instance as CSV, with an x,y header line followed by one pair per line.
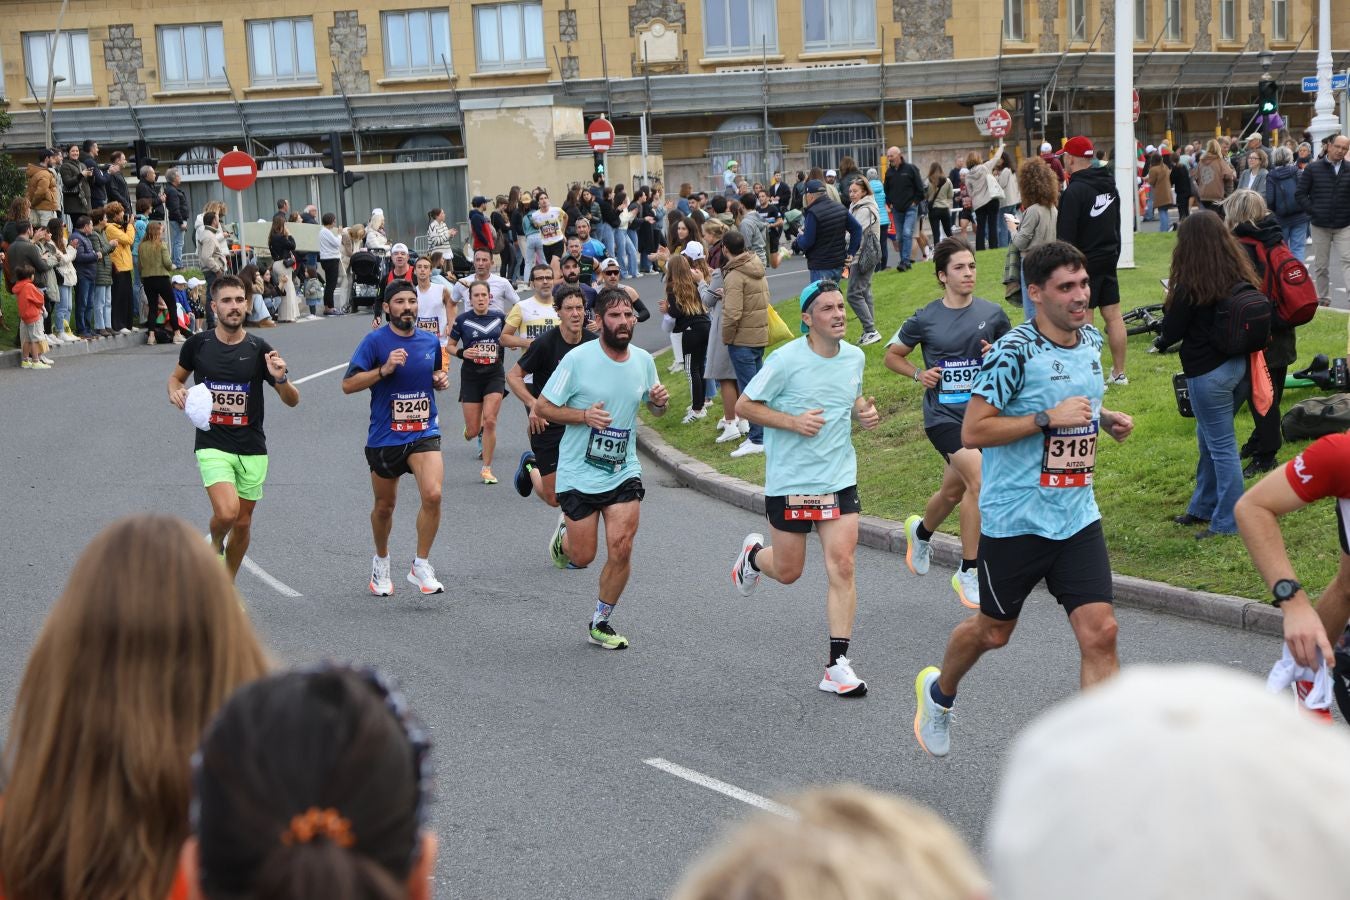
x,y
1140,484
11,316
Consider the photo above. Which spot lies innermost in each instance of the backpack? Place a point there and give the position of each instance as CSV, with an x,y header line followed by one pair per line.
x,y
1242,321
1288,284
1316,417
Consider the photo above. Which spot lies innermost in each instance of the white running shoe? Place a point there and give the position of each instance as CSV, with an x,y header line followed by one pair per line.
x,y
694,415
53,340
729,432
869,337
1118,378
424,576
932,723
840,679
966,583
675,368
747,448
381,585
743,575
918,554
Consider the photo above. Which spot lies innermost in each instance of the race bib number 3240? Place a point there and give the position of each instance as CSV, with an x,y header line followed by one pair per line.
x,y
410,411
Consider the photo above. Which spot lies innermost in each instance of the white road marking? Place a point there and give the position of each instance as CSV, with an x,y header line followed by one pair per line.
x,y
262,575
320,374
721,787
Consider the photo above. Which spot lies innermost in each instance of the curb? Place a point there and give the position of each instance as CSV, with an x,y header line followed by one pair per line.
x,y
10,359
888,535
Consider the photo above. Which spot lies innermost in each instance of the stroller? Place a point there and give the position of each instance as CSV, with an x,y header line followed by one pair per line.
x,y
366,269
460,263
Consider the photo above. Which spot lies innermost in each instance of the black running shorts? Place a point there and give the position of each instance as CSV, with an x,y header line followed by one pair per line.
x,y
798,515
545,445
945,438
473,388
1105,290
578,506
1076,570
392,462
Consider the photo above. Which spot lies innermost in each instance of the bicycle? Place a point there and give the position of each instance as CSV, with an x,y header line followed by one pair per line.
x,y
1144,320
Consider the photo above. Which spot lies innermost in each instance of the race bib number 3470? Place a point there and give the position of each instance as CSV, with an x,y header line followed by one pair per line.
x,y
1070,456
229,403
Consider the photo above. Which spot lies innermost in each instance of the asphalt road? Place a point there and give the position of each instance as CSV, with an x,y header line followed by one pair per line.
x,y
541,738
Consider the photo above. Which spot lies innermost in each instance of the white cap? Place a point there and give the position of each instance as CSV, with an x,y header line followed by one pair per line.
x,y
608,263
831,173
178,279
1150,149
398,248
198,406
693,250
1046,148
195,282
1172,781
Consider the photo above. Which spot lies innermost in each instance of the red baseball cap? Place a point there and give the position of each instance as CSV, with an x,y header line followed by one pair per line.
x,y
1078,146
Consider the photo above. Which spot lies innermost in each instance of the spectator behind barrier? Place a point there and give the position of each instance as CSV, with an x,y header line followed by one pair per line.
x,y
145,643
848,842
1172,781
313,786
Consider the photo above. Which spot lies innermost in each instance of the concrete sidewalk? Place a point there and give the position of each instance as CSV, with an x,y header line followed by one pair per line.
x,y
10,359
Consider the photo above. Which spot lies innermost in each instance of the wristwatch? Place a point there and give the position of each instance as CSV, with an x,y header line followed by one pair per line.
x,y
1285,589
1042,420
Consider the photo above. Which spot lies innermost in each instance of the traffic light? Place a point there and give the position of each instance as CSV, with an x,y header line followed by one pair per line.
x,y
599,165
1268,97
351,178
335,163
1034,117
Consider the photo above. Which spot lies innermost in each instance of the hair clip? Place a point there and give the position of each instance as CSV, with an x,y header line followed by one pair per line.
x,y
315,823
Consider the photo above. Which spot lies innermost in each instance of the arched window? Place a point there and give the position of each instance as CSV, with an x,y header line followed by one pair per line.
x,y
425,148
287,149
199,160
843,133
743,139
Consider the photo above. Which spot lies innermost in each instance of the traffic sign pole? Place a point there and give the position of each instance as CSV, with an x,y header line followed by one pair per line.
x,y
238,171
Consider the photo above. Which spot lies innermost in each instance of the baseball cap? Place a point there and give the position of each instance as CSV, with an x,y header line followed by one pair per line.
x,y
811,292
693,250
1046,148
831,173
1080,147
479,200
1150,149
197,406
731,164
178,279
376,212
608,263
398,248
815,186
195,282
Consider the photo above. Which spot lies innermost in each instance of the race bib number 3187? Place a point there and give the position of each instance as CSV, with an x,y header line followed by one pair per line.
x,y
1070,457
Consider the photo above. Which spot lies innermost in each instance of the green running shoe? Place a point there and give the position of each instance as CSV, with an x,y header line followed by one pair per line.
x,y
555,543
602,634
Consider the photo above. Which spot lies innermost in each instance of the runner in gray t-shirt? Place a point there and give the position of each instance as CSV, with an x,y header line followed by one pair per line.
x,y
954,331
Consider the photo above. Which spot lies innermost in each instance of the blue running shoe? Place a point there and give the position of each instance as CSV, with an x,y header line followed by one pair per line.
x,y
524,486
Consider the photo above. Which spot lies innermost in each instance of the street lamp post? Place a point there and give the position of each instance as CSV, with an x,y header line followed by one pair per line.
x,y
1325,122
47,109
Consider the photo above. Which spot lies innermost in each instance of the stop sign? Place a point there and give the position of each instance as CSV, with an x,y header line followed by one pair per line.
x,y
999,123
601,135
237,170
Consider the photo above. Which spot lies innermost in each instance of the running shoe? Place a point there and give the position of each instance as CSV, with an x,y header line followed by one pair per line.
x,y
486,474
381,585
424,577
743,575
603,635
840,679
573,566
480,446
932,723
966,583
747,448
868,337
918,554
555,543
729,432
1118,379
524,486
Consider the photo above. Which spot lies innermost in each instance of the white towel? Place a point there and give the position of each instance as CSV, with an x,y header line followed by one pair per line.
x,y
1286,672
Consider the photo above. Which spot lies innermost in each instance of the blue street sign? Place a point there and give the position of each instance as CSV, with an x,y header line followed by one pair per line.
x,y
1338,82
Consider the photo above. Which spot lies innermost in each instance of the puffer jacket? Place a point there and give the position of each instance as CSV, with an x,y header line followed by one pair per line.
x,y
1324,195
745,302
43,194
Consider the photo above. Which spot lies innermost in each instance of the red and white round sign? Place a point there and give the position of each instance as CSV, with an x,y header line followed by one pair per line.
x,y
999,123
237,170
601,135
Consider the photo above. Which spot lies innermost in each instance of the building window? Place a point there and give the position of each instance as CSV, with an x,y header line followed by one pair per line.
x,y
416,42
1279,20
69,61
1141,22
839,24
1012,21
509,36
1078,29
1227,20
739,27
1176,23
281,51
191,56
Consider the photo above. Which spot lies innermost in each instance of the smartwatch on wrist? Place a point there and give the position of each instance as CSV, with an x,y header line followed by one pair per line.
x,y
284,378
1042,420
1285,589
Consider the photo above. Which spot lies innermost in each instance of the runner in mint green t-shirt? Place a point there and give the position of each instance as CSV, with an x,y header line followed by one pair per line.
x,y
805,396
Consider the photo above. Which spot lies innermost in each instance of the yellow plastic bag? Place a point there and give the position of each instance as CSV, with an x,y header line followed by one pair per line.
x,y
778,330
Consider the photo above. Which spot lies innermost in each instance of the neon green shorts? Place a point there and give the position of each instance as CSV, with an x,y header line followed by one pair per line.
x,y
246,473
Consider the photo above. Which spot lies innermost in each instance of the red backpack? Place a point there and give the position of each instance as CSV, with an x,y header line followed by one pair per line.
x,y
1287,283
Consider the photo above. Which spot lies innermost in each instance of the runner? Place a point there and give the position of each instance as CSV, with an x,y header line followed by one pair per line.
x,y
609,277
232,455
401,366
503,294
538,466
476,338
595,392
803,396
551,225
533,315
433,306
955,332
1035,408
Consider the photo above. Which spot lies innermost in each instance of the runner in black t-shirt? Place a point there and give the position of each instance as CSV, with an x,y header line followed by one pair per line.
x,y
539,465
476,338
232,455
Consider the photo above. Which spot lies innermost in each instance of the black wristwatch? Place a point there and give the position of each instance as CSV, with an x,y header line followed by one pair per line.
x,y
1042,420
1285,589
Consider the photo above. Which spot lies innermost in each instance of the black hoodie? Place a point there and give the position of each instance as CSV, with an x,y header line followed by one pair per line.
x,y
1282,352
1089,217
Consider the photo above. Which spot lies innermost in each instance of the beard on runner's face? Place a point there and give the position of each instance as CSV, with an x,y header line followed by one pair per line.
x,y
619,337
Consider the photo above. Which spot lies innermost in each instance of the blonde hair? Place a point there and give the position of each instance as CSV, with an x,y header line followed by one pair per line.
x,y
714,228
1244,205
143,646
849,842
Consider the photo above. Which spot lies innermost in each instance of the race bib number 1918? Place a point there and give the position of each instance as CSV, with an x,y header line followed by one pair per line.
x,y
607,448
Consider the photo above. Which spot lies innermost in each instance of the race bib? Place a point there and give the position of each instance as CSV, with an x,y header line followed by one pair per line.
x,y
607,448
536,327
1070,456
430,325
958,376
811,507
411,411
488,353
229,403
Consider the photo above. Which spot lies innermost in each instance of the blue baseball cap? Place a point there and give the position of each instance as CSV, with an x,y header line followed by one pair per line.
x,y
811,292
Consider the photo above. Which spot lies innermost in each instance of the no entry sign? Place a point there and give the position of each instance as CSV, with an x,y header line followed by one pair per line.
x,y
237,170
601,135
1000,123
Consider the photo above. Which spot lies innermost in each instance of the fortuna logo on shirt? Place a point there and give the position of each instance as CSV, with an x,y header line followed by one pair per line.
x,y
1101,204
1298,470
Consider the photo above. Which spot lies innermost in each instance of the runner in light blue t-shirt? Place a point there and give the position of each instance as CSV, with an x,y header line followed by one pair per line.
x,y
595,391
805,396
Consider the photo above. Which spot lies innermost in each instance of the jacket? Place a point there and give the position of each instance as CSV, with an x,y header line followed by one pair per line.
x,y
1282,351
939,197
1180,177
102,268
1193,326
745,302
98,185
879,197
1214,178
756,234
149,190
212,249
822,237
42,193
30,301
1281,199
117,190
1007,179
1055,165
865,212
1089,217
1160,187
86,256
155,264
177,202
1324,195
74,188
1258,184
1038,227
121,239
977,180
903,187
24,250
